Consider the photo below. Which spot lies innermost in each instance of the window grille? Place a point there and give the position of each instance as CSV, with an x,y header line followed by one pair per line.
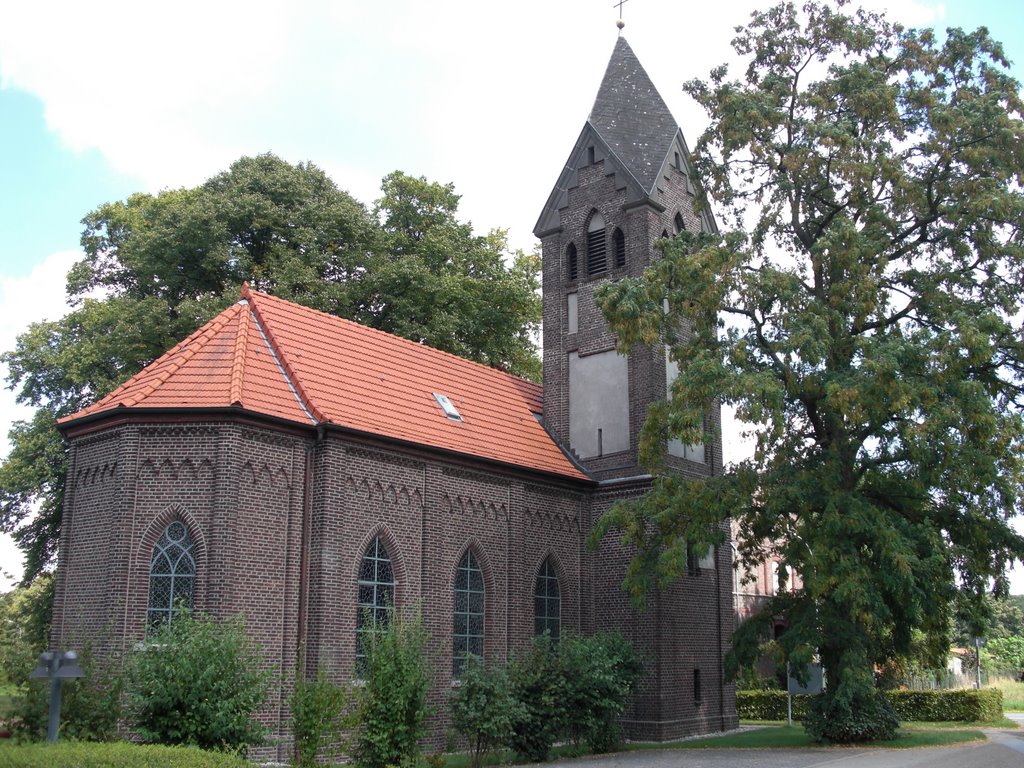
x,y
172,575
547,603
619,246
376,599
597,256
468,624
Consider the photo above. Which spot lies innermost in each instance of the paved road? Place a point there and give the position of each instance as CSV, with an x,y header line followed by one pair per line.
x,y
1004,749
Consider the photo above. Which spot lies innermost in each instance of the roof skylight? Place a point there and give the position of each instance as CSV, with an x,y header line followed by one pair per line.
x,y
446,405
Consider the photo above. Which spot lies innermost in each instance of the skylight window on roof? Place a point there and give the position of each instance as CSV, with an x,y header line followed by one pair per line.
x,y
449,409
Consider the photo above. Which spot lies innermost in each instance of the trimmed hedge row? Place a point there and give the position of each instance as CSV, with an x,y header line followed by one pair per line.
x,y
770,705
113,755
967,706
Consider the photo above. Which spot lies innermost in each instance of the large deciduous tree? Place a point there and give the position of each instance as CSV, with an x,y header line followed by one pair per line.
x,y
867,325
156,267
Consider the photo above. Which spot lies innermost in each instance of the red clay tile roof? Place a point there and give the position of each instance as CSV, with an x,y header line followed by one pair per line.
x,y
280,359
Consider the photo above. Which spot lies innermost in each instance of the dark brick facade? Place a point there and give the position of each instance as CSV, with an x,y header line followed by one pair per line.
x,y
282,514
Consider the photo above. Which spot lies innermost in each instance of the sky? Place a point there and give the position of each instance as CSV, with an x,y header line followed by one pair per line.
x,y
102,99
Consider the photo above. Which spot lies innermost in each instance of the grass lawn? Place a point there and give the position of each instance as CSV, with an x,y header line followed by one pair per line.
x,y
1013,694
910,735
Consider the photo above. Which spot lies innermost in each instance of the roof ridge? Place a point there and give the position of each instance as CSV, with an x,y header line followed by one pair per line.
x,y
238,357
396,337
210,330
293,380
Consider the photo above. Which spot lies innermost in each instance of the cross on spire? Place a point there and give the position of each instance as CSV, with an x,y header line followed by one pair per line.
x,y
620,23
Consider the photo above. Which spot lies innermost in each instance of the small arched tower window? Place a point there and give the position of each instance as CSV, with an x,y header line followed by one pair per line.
x,y
573,261
547,602
468,623
597,250
678,224
619,248
172,575
375,603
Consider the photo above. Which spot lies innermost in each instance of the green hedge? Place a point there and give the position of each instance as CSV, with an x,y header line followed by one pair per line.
x,y
770,705
966,706
114,755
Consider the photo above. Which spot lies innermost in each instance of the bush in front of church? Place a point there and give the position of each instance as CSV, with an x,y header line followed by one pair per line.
x,y
392,696
198,682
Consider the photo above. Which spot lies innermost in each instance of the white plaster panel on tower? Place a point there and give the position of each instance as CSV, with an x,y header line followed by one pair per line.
x,y
677,447
572,308
598,403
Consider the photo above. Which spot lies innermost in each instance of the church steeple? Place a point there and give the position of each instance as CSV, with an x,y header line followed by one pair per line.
x,y
627,183
632,118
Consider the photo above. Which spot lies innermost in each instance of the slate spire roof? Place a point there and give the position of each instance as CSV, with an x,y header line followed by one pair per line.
x,y
632,118
270,357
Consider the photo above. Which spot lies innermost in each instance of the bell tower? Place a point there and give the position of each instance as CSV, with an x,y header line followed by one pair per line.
x,y
627,183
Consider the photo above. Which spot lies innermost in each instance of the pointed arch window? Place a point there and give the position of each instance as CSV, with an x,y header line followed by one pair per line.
x,y
678,224
172,575
468,623
547,602
376,598
573,261
597,249
619,248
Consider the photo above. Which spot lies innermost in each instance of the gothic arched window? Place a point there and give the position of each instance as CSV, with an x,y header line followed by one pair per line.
x,y
376,601
573,261
172,575
678,224
619,248
597,255
468,624
547,603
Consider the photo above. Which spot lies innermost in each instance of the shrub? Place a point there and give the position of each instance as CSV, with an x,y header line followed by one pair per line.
x,y
483,709
538,687
114,755
968,705
90,705
392,700
770,705
851,719
321,714
599,673
199,682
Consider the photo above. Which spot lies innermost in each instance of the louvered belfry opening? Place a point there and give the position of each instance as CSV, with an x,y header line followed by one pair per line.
x,y
619,248
573,261
597,249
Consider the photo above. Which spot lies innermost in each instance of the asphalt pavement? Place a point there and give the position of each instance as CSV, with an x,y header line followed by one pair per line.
x,y
1004,749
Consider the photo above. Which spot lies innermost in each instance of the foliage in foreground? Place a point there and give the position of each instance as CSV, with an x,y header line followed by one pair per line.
x,y
965,706
573,689
200,683
871,335
483,709
321,716
115,755
392,700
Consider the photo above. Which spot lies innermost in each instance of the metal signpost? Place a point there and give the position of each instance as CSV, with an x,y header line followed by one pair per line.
x,y
57,666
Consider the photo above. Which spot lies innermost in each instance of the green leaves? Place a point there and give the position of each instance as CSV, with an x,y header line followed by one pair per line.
x,y
199,683
870,332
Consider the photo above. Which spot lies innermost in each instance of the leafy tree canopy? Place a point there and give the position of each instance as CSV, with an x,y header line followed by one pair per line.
x,y
867,325
156,267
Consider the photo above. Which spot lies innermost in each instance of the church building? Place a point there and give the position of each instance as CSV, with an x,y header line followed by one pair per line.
x,y
309,472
